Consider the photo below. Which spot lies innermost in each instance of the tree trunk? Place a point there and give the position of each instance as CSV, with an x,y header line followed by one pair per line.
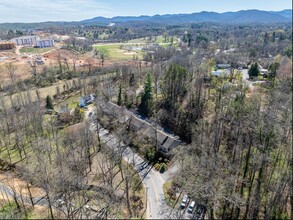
x,y
244,174
127,196
30,194
249,194
50,206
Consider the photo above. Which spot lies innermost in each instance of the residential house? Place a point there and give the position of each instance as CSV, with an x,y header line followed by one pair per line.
x,y
264,73
84,101
169,144
221,72
223,66
164,142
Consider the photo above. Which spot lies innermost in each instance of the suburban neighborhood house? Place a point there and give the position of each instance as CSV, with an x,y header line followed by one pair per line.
x,y
222,70
223,66
164,142
84,101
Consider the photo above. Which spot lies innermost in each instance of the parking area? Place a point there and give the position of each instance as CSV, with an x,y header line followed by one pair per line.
x,y
190,209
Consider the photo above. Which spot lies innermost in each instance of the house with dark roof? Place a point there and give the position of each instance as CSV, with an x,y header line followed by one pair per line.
x,y
169,144
220,72
223,66
164,142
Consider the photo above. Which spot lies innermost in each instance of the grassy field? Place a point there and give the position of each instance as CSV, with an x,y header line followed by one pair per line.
x,y
159,40
71,102
35,50
116,54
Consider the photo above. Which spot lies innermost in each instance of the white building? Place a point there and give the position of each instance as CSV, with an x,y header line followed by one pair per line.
x,y
25,40
45,43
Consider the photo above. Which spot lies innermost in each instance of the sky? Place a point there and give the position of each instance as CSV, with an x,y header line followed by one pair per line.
x,y
76,10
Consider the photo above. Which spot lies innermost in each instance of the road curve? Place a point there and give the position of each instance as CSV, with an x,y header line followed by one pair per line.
x,y
151,179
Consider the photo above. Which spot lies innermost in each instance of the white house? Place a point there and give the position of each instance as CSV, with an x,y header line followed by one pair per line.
x,y
264,72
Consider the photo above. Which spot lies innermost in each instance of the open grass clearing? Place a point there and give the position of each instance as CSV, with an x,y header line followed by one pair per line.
x,y
71,102
154,39
115,52
169,201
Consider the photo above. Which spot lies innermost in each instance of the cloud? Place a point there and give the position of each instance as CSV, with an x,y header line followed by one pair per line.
x,y
51,10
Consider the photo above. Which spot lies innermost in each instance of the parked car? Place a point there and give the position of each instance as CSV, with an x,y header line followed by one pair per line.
x,y
191,207
184,202
200,211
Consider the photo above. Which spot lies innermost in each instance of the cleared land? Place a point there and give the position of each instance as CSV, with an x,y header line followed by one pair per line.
x,y
35,50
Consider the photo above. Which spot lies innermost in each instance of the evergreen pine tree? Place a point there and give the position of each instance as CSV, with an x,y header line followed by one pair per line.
x,y
132,81
146,105
273,70
119,101
49,104
253,71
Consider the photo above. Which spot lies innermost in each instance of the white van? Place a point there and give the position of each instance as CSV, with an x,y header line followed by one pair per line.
x,y
191,207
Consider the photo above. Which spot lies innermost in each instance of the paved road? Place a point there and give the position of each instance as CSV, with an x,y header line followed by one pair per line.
x,y
152,180
7,191
245,78
249,83
17,50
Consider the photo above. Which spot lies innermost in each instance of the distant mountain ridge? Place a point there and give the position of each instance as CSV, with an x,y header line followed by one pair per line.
x,y
285,13
243,16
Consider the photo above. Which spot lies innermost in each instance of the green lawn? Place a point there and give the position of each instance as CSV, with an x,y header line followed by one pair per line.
x,y
72,102
35,50
117,54
170,201
159,40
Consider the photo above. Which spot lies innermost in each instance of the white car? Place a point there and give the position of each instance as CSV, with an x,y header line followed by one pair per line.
x,y
191,207
184,202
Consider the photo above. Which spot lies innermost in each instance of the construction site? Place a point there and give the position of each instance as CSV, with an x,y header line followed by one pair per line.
x,y
6,45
